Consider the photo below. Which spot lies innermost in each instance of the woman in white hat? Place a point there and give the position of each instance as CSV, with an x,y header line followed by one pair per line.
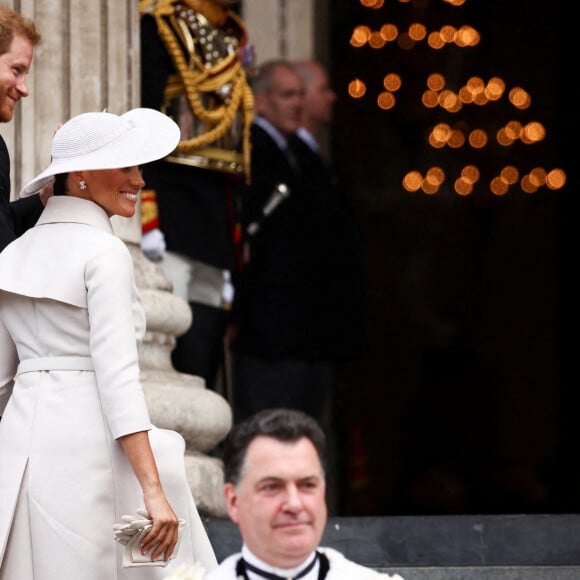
x,y
77,449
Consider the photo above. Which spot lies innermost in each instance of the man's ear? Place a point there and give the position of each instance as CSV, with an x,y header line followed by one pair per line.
x,y
231,497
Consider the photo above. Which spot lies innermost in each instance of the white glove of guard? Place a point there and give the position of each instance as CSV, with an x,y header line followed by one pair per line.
x,y
153,244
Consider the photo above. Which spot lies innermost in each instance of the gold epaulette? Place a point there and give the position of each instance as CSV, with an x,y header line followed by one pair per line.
x,y
197,79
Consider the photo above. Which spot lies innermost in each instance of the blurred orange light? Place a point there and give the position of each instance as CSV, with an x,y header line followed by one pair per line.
x,y
527,185
462,187
448,33
456,139
392,82
386,100
513,130
417,31
470,174
412,181
509,174
533,132
429,188
478,138
435,176
435,40
389,32
376,40
429,99
495,88
435,82
556,179
357,88
498,187
503,138
519,98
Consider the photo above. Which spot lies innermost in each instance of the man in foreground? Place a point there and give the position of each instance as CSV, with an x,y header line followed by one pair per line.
x,y
275,492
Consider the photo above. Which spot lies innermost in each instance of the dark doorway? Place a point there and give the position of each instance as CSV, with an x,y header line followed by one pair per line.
x,y
465,400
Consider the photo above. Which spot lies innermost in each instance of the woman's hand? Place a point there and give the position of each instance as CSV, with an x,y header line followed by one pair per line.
x,y
163,536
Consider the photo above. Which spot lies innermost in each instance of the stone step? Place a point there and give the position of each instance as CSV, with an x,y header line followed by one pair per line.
x,y
487,573
466,547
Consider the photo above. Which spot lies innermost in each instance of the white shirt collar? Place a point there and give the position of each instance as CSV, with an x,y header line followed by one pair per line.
x,y
272,131
309,139
284,572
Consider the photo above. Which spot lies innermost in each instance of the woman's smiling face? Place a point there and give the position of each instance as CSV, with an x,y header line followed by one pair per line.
x,y
115,190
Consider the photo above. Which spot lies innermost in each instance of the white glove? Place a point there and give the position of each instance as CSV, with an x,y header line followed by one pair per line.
x,y
227,290
131,525
153,244
130,533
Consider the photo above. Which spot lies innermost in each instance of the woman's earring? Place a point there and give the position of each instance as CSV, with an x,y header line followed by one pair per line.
x,y
82,185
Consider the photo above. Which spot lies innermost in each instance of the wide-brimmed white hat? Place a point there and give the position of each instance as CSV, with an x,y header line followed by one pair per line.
x,y
107,141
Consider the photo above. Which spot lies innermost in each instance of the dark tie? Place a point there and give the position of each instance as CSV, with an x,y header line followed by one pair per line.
x,y
242,566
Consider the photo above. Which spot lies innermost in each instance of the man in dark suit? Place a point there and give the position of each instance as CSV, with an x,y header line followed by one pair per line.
x,y
18,37
291,330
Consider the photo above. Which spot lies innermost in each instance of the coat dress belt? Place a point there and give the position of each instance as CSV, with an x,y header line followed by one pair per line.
x,y
56,363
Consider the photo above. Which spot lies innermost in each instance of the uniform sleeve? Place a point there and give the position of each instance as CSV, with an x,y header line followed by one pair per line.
x,y
8,365
112,302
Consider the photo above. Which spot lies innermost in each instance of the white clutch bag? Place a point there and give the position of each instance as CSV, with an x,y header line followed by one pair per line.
x,y
130,533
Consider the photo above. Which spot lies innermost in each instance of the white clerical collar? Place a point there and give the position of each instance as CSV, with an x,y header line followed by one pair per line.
x,y
249,557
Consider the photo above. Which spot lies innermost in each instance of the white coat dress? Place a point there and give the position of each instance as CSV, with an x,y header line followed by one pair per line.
x,y
70,321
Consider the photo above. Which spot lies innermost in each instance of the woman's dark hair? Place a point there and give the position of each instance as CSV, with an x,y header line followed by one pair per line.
x,y
286,425
60,184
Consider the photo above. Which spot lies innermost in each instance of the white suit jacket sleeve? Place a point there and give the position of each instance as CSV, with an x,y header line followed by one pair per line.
x,y
111,297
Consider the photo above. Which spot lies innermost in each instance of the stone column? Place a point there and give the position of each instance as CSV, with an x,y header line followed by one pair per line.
x,y
89,61
281,28
290,29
